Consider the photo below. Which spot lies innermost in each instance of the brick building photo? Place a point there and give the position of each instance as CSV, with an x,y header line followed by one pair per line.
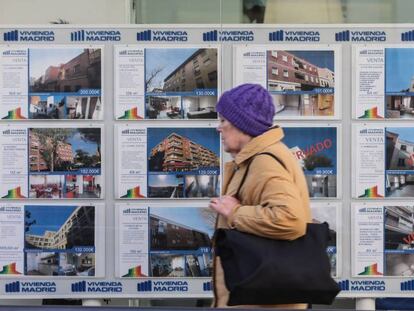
x,y
177,153
51,233
64,70
171,72
294,78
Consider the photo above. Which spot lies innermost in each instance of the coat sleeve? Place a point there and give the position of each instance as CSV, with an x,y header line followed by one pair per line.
x,y
282,213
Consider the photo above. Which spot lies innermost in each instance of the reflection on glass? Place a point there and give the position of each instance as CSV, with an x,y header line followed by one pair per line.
x,y
273,11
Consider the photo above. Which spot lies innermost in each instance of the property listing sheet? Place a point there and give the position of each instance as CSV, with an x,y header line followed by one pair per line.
x,y
161,241
383,81
383,239
304,81
52,240
51,82
317,150
161,162
50,162
166,83
384,161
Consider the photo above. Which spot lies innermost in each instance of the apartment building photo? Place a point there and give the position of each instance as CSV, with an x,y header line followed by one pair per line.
x,y
199,71
288,72
178,153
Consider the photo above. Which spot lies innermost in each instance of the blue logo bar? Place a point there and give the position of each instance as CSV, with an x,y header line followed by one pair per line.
x,y
77,35
407,36
13,287
144,35
11,35
344,285
210,35
79,286
407,285
144,286
342,36
207,286
276,35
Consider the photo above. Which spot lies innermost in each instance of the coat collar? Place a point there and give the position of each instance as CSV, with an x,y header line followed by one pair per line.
x,y
259,143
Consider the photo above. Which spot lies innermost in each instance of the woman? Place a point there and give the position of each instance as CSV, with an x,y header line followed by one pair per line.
x,y
273,200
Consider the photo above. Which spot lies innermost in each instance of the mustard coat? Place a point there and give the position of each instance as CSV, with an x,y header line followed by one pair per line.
x,y
274,200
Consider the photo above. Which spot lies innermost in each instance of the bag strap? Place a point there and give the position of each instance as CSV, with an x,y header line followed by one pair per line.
x,y
248,166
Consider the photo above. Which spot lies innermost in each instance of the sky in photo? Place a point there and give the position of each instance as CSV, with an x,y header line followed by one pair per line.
x,y
48,218
188,216
404,133
166,58
41,59
85,145
162,180
322,59
306,137
399,69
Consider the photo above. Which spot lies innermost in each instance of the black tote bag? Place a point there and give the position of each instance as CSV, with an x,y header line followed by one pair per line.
x,y
263,271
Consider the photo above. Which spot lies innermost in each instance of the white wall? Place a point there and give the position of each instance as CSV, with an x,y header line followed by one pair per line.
x,y
73,11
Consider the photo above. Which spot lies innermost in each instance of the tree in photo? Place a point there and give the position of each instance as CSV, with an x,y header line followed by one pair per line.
x,y
28,223
83,159
92,135
50,139
150,77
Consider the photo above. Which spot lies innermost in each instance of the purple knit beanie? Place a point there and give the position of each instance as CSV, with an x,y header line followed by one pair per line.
x,y
249,107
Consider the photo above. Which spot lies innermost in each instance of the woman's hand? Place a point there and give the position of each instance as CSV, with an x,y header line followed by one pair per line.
x,y
224,205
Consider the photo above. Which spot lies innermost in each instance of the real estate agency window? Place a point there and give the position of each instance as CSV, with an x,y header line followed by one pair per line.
x,y
286,73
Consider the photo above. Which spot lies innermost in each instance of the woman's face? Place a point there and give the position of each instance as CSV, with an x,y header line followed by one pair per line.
x,y
232,138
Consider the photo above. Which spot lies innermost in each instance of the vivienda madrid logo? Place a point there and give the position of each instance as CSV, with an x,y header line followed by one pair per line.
x,y
162,286
407,36
207,286
134,211
407,286
362,285
295,35
29,35
30,287
96,287
228,35
361,36
133,132
163,35
95,35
